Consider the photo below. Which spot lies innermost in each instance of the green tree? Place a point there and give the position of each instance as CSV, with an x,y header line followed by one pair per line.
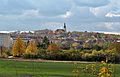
x,y
18,48
44,44
97,47
106,45
65,45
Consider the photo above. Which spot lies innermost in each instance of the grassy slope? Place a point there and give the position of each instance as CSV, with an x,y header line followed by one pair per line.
x,y
41,69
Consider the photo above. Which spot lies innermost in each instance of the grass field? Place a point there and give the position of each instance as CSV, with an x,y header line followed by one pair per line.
x,y
42,69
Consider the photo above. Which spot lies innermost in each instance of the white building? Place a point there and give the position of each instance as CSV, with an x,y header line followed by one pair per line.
x,y
5,40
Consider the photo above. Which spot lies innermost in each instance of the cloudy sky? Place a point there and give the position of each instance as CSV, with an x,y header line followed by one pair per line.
x,y
79,15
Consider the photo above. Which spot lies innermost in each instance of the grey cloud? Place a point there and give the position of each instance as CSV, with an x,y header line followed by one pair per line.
x,y
108,26
91,3
45,7
52,7
30,14
14,6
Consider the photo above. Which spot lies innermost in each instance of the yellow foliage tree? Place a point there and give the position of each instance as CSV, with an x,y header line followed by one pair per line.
x,y
75,45
87,45
18,47
31,48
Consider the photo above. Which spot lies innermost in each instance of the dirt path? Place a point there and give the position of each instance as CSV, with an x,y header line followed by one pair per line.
x,y
41,60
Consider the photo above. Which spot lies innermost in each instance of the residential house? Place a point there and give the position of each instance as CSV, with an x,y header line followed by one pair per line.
x,y
42,33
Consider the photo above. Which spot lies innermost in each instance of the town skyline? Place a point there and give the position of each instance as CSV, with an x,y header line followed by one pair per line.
x,y
61,27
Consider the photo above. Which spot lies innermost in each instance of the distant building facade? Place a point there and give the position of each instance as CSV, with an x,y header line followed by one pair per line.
x,y
5,40
26,37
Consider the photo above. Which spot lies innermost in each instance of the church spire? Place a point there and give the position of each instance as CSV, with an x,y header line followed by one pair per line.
x,y
65,27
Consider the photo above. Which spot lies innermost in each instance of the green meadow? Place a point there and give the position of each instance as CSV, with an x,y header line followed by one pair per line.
x,y
45,69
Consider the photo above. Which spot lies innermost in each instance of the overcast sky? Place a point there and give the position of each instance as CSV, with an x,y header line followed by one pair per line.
x,y
79,15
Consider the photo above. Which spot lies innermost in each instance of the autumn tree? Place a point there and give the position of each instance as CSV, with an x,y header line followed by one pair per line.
x,y
87,45
31,48
18,48
111,46
53,47
75,45
116,46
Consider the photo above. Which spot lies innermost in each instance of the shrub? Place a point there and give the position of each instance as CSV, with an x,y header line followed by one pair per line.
x,y
76,55
30,56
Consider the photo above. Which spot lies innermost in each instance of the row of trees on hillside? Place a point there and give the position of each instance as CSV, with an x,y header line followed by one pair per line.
x,y
53,51
19,48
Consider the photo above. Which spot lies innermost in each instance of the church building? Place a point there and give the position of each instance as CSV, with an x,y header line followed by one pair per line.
x,y
61,31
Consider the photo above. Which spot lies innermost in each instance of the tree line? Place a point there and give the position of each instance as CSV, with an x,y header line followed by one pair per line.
x,y
52,51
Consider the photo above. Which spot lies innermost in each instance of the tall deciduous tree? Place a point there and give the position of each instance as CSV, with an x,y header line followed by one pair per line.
x,y
117,46
18,47
44,44
31,48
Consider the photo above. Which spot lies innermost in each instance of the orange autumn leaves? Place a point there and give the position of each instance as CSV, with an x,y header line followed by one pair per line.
x,y
53,47
19,47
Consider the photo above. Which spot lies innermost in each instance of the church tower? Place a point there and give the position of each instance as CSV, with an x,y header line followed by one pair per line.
x,y
65,28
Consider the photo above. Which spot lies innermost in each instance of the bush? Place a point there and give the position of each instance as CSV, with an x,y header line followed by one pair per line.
x,y
5,54
76,55
30,56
